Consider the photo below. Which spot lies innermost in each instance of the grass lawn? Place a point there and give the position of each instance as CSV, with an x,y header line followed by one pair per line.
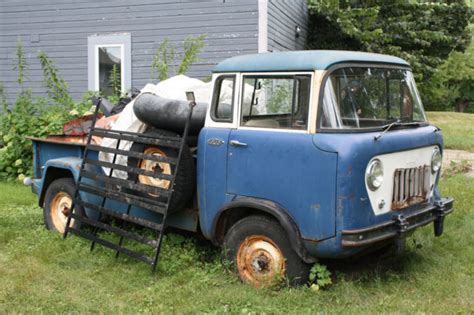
x,y
41,273
458,129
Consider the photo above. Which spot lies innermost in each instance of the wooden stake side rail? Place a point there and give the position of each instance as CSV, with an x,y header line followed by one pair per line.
x,y
95,185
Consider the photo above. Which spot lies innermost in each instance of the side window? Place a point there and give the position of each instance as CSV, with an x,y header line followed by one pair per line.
x,y
223,99
279,102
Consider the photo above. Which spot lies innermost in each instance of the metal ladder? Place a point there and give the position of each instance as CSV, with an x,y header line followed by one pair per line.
x,y
106,189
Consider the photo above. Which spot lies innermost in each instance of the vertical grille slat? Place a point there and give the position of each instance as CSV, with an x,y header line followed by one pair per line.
x,y
410,186
396,188
407,184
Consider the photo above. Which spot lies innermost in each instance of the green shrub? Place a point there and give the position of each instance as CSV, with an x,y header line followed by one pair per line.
x,y
33,116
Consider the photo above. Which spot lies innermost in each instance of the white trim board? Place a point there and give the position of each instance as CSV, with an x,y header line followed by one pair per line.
x,y
262,26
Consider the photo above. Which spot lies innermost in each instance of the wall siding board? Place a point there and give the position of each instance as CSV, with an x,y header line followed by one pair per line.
x,y
283,16
61,29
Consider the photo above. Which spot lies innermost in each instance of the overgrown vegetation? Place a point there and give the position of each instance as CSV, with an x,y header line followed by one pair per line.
x,y
21,64
42,116
56,87
425,34
165,57
33,116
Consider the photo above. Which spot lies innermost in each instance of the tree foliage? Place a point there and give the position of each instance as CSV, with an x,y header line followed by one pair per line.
x,y
424,34
456,76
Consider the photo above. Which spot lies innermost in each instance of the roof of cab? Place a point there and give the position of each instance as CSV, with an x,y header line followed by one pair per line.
x,y
304,60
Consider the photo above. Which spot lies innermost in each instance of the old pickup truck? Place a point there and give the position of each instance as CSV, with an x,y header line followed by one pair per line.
x,y
303,155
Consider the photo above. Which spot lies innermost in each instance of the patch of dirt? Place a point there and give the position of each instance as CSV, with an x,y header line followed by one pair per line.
x,y
458,156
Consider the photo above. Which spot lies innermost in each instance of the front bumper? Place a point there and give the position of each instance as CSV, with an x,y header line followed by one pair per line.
x,y
400,225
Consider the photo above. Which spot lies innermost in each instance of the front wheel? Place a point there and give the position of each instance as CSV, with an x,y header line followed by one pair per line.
x,y
57,205
260,252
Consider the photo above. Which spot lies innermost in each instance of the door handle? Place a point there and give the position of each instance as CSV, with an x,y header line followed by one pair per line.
x,y
237,143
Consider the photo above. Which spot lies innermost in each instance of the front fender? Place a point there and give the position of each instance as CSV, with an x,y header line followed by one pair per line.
x,y
276,211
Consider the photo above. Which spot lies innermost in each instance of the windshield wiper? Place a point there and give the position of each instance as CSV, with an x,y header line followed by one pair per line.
x,y
395,123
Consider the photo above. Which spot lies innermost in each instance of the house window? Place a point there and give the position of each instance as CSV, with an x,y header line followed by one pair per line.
x,y
109,63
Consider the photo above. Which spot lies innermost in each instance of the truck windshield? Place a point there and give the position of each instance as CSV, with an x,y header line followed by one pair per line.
x,y
370,97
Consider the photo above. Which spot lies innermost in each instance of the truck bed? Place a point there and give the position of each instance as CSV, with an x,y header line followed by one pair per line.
x,y
54,147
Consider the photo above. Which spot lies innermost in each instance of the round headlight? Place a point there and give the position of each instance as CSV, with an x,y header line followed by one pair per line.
x,y
436,159
374,175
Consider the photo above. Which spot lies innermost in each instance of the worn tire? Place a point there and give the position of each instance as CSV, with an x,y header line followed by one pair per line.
x,y
185,180
58,195
253,246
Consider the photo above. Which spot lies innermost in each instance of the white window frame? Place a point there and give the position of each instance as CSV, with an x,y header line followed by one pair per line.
x,y
224,124
270,74
122,40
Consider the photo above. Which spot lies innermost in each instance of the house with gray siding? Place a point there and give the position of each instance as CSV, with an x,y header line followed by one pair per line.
x,y
85,38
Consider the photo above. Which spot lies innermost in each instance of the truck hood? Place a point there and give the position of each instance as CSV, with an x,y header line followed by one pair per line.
x,y
355,150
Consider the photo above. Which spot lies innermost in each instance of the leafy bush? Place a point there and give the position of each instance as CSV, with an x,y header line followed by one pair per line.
x,y
33,116
424,34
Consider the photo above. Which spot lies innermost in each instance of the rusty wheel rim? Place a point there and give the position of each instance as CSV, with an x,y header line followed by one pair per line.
x,y
260,262
60,209
154,166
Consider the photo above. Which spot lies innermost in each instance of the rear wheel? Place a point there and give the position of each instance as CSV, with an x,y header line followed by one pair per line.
x,y
260,252
57,205
185,179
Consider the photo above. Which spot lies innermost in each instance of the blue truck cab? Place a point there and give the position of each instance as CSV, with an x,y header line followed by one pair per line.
x,y
303,155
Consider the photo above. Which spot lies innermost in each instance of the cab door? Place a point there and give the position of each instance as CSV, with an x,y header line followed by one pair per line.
x,y
213,150
271,154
